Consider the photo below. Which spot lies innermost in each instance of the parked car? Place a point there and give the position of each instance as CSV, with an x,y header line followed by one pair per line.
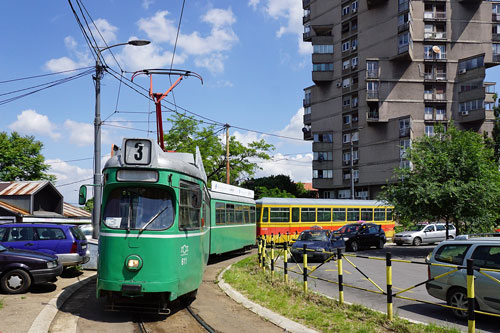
x,y
65,241
358,235
453,287
19,269
425,234
319,241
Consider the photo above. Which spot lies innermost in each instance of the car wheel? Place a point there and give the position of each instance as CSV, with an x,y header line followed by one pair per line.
x,y
15,281
380,244
417,241
399,244
354,246
458,298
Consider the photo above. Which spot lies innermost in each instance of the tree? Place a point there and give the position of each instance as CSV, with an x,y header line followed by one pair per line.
x,y
277,185
187,133
453,178
20,158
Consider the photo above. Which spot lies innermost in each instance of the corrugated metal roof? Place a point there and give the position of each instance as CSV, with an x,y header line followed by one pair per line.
x,y
13,209
72,211
23,188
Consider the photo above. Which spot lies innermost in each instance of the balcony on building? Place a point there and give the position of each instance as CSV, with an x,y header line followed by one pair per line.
x,y
306,102
372,74
489,88
496,57
307,133
372,116
435,16
403,26
404,132
372,95
320,77
471,115
322,183
433,35
305,4
495,17
434,96
307,119
375,3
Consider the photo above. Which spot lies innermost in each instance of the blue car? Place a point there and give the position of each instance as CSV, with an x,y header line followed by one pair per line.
x,y
65,241
321,244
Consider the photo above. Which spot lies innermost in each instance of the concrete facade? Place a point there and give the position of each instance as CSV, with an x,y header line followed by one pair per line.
x,y
386,72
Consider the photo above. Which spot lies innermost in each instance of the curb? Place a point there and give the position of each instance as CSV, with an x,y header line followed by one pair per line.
x,y
42,322
285,323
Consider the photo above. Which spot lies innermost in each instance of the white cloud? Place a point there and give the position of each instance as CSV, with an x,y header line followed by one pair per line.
x,y
67,63
209,49
67,173
105,30
298,167
81,134
253,4
30,122
294,128
149,56
147,3
246,138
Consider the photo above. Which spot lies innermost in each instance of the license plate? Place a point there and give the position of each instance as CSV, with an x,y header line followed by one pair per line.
x,y
84,247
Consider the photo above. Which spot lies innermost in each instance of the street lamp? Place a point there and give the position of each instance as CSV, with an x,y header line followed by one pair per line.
x,y
96,213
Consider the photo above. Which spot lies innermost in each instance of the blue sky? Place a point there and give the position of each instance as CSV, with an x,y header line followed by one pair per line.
x,y
248,52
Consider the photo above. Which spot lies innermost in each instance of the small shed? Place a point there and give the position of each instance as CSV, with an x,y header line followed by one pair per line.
x,y
37,201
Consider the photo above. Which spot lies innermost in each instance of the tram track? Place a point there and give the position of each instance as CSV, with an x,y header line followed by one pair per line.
x,y
184,318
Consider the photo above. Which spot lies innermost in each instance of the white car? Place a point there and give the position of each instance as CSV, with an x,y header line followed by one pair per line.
x,y
87,230
425,234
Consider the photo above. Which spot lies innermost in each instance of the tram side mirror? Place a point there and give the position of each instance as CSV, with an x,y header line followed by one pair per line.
x,y
82,195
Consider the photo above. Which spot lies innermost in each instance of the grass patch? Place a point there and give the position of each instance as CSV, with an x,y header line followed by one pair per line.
x,y
311,309
1,304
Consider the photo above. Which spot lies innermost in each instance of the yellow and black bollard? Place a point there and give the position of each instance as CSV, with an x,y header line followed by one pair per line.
x,y
272,259
304,257
285,262
471,303
341,276
388,263
259,243
264,248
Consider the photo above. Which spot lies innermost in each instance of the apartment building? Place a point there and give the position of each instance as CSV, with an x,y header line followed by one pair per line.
x,y
386,72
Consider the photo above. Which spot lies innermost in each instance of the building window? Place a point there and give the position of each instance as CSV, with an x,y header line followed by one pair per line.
x,y
354,44
346,46
404,127
355,136
429,130
345,64
465,65
404,144
402,5
354,62
343,194
468,86
346,102
354,25
440,114
471,105
346,82
323,156
323,137
346,138
429,113
320,174
346,119
323,49
434,51
355,155
324,67
345,10
355,101
495,8
307,110
355,174
307,97
403,19
354,6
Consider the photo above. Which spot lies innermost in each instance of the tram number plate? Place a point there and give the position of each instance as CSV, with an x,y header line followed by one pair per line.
x,y
137,151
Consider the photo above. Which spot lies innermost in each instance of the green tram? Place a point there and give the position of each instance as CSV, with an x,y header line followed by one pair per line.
x,y
156,232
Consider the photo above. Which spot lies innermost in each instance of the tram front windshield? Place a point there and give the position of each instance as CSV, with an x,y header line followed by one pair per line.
x,y
139,208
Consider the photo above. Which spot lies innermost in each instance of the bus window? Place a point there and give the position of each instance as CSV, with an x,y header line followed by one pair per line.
x,y
338,214
308,215
379,214
280,214
352,214
324,214
295,214
389,214
220,213
367,214
265,215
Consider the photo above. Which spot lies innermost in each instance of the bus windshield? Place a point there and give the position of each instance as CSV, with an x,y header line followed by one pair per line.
x,y
136,208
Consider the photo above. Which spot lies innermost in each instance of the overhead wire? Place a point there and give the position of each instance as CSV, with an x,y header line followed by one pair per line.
x,y
43,75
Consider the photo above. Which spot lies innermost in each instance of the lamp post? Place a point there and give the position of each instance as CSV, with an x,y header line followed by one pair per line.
x,y
96,213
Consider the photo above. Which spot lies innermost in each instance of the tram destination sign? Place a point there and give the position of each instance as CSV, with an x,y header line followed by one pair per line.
x,y
138,151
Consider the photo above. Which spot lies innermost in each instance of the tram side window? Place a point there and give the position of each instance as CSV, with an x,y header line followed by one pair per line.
x,y
189,206
220,213
338,214
280,214
252,215
352,214
324,214
246,214
308,215
265,215
230,219
379,214
295,214
389,214
367,214
238,214
259,211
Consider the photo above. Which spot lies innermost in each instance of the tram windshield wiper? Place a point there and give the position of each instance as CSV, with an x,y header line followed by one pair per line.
x,y
152,219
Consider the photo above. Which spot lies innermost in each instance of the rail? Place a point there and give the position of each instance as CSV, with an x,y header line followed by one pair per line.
x,y
267,258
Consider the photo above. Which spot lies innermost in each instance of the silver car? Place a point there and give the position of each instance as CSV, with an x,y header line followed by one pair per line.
x,y
485,251
425,234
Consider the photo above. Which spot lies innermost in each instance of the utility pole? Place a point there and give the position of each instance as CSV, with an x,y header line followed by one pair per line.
x,y
228,176
352,169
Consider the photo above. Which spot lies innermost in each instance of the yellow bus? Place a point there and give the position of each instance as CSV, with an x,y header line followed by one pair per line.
x,y
290,216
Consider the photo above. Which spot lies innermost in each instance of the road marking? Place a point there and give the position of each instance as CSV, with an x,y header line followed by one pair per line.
x,y
335,270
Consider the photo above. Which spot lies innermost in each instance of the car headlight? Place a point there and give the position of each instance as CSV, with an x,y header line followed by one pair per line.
x,y
407,236
52,264
346,239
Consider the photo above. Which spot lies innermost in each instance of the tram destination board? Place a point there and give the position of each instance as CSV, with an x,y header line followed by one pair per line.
x,y
138,151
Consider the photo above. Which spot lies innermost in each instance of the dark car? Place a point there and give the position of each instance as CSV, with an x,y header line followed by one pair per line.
x,y
66,241
321,244
358,235
19,269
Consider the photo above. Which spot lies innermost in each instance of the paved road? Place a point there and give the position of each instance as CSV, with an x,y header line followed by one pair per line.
x,y
404,276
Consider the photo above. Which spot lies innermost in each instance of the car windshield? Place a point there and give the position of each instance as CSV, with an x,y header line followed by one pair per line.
x,y
417,228
349,229
135,207
314,236
2,248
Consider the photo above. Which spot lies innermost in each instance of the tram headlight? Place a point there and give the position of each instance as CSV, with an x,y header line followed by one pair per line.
x,y
133,262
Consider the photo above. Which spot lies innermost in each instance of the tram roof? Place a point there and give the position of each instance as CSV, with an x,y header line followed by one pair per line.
x,y
187,163
318,202
230,197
